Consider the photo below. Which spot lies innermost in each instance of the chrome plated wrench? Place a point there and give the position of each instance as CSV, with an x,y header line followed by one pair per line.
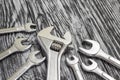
x,y
54,48
96,51
93,67
29,27
32,60
73,63
16,47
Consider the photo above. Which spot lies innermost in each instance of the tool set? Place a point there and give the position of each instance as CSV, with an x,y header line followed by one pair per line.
x,y
54,47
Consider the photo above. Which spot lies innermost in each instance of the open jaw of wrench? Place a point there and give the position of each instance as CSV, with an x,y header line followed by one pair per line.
x,y
16,47
93,67
73,62
54,48
32,60
29,27
96,51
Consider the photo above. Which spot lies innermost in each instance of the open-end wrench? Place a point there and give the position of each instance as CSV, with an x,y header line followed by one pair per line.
x,y
16,47
73,63
96,51
54,48
32,60
29,27
93,67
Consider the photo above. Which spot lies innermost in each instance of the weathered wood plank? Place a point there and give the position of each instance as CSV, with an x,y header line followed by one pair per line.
x,y
91,19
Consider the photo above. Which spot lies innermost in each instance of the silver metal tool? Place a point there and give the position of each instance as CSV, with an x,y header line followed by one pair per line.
x,y
54,48
16,47
93,67
96,51
73,63
29,27
32,60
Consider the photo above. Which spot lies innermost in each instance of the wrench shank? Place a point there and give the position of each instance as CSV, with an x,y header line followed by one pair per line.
x,y
108,58
7,52
10,30
77,72
21,70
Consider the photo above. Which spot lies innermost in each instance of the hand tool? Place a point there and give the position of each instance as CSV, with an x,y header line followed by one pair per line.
x,y
16,47
96,51
32,60
93,67
73,63
29,27
54,48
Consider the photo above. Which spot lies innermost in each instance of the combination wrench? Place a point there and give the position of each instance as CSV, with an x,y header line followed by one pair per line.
x,y
54,48
29,27
31,61
73,63
16,47
93,67
96,51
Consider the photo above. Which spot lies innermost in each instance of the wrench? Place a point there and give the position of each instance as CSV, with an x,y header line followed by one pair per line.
x,y
93,67
16,47
29,27
73,63
96,51
54,48
32,60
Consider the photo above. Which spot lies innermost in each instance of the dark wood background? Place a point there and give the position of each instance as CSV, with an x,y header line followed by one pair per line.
x,y
85,19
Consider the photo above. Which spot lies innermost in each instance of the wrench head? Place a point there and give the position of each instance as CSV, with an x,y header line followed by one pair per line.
x,y
72,60
19,46
94,49
92,65
53,43
30,27
32,57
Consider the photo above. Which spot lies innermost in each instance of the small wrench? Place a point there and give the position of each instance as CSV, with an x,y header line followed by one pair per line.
x,y
54,48
93,67
32,60
29,27
73,63
16,47
96,51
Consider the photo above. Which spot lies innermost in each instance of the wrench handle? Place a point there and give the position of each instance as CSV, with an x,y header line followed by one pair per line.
x,y
77,72
10,30
7,52
53,71
108,58
21,71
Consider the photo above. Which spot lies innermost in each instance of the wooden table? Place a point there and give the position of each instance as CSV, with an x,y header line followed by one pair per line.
x,y
86,19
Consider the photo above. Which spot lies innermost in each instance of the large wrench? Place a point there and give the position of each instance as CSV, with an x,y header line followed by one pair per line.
x,y
54,48
73,63
29,27
93,67
16,47
96,51
32,60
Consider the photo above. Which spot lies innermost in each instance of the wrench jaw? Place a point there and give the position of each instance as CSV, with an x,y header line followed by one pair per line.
x,y
34,59
72,60
30,27
90,68
19,46
94,49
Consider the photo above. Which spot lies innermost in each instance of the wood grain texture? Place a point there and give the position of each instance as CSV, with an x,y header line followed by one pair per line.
x,y
85,19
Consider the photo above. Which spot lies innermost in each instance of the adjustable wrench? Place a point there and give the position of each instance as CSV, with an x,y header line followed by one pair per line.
x,y
96,51
29,27
54,48
16,47
93,67
73,63
32,60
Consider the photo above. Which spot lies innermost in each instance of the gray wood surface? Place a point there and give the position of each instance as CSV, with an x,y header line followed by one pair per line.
x,y
85,19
